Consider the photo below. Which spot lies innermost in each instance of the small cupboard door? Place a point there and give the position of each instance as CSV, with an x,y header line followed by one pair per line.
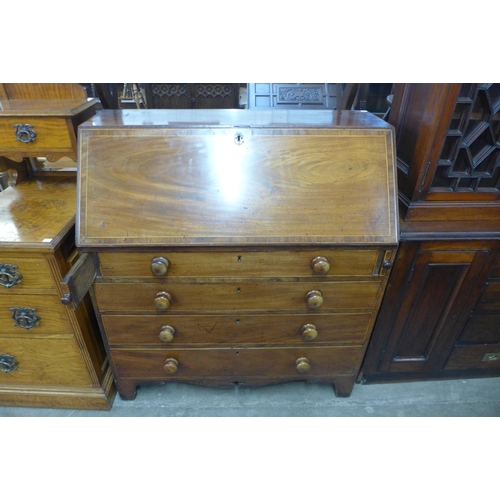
x,y
436,294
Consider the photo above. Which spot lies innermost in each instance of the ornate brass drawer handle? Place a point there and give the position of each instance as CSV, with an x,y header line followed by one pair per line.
x,y
9,275
25,317
25,133
7,363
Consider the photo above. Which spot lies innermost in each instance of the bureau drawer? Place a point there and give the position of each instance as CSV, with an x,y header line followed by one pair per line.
x,y
51,132
42,362
39,315
470,357
239,296
243,329
236,363
21,274
277,263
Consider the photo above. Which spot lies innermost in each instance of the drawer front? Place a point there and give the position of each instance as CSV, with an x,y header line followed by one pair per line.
x,y
21,274
490,299
235,363
42,362
239,295
470,357
51,132
484,328
241,264
243,329
35,315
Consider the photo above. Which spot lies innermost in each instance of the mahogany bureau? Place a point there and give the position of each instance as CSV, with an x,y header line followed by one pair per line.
x,y
50,356
234,246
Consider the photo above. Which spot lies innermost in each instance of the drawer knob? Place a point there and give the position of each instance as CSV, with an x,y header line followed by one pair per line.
x,y
162,301
7,363
320,265
159,266
167,333
9,275
171,365
25,317
25,133
314,299
309,332
302,365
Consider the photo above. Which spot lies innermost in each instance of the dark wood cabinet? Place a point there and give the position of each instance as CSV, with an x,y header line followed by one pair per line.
x,y
439,305
440,316
192,95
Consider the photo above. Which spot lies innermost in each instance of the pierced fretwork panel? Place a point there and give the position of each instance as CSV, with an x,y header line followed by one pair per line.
x,y
470,158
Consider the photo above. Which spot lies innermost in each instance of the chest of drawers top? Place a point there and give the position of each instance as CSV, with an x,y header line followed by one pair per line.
x,y
229,178
37,214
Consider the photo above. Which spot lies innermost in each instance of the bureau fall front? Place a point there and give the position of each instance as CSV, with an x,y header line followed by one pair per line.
x,y
234,246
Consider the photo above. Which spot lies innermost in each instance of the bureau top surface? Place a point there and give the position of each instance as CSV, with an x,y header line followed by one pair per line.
x,y
235,177
44,107
36,214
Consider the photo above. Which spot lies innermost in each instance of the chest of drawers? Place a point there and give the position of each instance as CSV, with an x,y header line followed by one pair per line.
x,y
42,127
50,356
227,247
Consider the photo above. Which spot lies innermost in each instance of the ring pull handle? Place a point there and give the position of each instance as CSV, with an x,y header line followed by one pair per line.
x,y
9,275
25,317
7,363
25,132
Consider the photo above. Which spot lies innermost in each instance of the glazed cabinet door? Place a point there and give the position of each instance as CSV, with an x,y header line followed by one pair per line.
x,y
430,295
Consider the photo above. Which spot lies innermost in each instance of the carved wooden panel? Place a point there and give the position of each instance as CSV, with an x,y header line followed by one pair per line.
x,y
292,95
192,95
470,157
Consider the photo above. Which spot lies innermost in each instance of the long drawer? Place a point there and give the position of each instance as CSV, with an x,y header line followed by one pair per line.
x,y
34,315
235,363
237,329
350,262
23,274
470,357
236,296
51,132
42,362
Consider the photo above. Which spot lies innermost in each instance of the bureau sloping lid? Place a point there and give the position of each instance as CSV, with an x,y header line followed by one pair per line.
x,y
232,177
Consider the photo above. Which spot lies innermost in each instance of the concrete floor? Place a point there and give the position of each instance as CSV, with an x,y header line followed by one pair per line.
x,y
449,398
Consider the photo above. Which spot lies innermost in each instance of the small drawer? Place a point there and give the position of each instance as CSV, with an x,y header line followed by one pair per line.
x,y
236,363
34,315
243,329
42,362
490,299
482,329
273,263
22,274
235,296
51,132
470,357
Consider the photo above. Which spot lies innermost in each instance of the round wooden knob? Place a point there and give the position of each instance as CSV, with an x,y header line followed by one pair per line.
x,y
167,333
171,365
309,332
314,299
320,265
302,365
159,266
162,301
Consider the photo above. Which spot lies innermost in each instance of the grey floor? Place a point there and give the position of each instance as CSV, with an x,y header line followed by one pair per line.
x,y
449,398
